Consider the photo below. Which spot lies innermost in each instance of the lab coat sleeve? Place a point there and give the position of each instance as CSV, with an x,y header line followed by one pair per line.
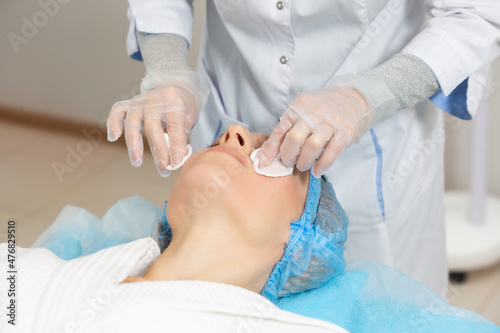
x,y
158,16
458,42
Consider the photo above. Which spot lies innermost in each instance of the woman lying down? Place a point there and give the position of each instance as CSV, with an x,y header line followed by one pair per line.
x,y
240,252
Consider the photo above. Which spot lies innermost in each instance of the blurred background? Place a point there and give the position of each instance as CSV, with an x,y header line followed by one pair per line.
x,y
64,64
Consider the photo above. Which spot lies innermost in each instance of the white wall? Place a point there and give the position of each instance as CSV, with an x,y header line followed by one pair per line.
x,y
76,66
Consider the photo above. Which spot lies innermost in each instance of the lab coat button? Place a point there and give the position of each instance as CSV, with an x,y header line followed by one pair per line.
x,y
283,60
280,5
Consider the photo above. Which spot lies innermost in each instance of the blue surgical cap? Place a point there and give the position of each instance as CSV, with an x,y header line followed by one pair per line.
x,y
315,247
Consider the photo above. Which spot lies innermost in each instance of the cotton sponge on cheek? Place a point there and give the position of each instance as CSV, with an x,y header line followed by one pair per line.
x,y
274,169
189,149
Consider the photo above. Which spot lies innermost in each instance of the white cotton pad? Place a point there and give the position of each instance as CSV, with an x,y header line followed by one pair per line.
x,y
274,169
189,149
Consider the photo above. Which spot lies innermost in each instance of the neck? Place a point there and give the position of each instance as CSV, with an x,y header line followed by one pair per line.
x,y
194,262
216,252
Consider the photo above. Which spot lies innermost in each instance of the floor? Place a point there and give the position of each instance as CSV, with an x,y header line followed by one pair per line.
x,y
43,170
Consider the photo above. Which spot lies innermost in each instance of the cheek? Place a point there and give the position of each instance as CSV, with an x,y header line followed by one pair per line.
x,y
192,159
269,201
266,193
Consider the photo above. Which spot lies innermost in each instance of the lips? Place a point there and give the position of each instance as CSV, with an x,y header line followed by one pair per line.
x,y
231,151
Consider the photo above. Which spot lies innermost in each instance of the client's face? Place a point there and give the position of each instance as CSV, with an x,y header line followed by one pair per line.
x,y
220,182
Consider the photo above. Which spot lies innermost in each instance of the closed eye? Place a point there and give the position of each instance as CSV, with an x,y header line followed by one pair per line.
x,y
215,143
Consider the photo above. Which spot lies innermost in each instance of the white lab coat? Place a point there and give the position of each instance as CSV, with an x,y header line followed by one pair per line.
x,y
258,54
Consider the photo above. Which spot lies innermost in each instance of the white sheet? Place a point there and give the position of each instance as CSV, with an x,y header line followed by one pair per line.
x,y
84,295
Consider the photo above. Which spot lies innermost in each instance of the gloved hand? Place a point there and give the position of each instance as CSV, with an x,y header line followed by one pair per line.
x,y
173,104
318,125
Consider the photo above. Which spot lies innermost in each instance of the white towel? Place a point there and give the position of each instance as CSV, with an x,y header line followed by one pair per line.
x,y
85,295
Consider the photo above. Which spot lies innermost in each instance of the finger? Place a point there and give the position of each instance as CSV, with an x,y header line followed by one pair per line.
x,y
114,121
156,140
191,105
332,150
163,172
271,146
293,142
133,137
177,134
311,151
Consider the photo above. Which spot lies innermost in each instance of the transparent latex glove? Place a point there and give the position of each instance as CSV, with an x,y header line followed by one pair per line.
x,y
172,105
318,126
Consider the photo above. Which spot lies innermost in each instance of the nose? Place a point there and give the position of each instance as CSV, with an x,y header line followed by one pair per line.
x,y
238,137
